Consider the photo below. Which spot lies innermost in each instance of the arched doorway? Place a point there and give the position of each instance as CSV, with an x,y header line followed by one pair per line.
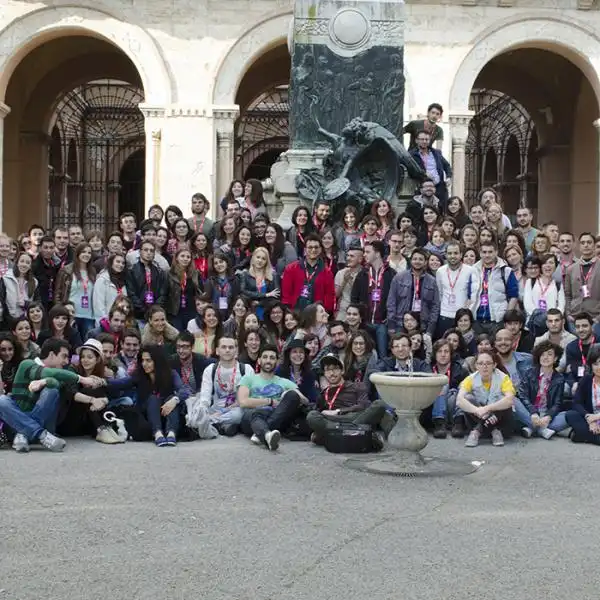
x,y
73,123
262,129
545,66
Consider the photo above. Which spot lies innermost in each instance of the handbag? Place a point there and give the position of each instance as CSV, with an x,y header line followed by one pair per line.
x,y
349,438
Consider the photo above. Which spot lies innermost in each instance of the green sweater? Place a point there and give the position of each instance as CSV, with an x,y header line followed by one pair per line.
x,y
29,371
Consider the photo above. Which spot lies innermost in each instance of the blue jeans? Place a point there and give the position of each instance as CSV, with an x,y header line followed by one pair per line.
x,y
379,330
445,404
116,402
84,325
30,424
521,414
156,420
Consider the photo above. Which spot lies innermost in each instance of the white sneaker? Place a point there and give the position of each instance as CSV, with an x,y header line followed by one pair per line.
x,y
473,439
51,442
526,432
107,435
547,433
255,440
20,443
272,439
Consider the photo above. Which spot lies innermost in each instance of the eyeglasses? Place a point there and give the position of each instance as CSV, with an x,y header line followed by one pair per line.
x,y
485,364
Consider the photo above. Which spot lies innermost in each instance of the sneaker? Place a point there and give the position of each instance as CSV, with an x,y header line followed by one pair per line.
x,y
20,443
255,440
526,432
272,440
473,439
458,428
439,429
547,433
497,438
107,435
51,442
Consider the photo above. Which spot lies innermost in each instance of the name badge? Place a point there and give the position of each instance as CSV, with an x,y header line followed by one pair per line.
x,y
485,300
580,371
376,295
542,304
223,304
149,297
416,306
585,291
305,293
85,301
452,299
183,301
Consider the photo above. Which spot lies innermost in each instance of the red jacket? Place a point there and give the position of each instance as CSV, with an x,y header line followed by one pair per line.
x,y
292,283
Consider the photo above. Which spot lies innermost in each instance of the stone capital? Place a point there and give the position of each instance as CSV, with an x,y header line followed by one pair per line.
x,y
224,138
459,127
585,4
225,117
180,110
152,112
4,110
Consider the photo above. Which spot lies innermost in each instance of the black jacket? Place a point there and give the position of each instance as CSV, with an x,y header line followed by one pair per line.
x,y
136,288
46,276
360,293
199,363
529,388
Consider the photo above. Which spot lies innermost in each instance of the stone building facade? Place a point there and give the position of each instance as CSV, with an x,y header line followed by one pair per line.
x,y
210,70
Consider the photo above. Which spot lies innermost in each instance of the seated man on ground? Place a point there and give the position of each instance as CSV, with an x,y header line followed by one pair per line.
x,y
347,402
32,407
541,391
486,399
270,403
220,384
189,365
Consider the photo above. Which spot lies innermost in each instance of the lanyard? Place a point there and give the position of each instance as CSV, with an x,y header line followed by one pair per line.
x,y
542,393
544,290
205,337
296,380
330,403
201,224
417,282
377,279
310,277
585,279
584,358
220,382
22,292
300,236
259,283
148,278
183,283
450,282
485,284
186,372
318,226
223,288
84,283
436,371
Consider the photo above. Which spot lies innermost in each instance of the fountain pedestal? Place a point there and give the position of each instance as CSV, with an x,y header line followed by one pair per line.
x,y
409,394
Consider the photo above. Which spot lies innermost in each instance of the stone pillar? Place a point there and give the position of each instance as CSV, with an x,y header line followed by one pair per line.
x,y
4,110
154,117
597,126
554,184
224,119
459,131
31,205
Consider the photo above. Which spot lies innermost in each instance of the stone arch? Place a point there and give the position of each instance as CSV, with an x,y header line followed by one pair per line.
x,y
36,27
567,38
246,51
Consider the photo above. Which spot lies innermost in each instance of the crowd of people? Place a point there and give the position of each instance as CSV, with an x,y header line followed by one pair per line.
x,y
180,327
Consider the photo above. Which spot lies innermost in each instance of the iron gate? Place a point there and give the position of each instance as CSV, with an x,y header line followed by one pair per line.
x,y
97,156
498,148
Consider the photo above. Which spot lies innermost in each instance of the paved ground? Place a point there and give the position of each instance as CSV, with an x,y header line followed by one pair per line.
x,y
223,519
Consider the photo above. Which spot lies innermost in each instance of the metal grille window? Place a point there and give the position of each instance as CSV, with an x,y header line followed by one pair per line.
x,y
262,133
98,134
498,148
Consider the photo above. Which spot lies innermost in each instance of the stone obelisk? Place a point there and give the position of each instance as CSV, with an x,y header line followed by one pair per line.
x,y
347,61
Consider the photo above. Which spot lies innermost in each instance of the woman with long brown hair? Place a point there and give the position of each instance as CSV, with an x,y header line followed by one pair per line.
x,y
19,287
184,286
75,283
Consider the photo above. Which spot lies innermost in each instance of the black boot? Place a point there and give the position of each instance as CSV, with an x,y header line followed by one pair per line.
x,y
228,429
439,429
458,428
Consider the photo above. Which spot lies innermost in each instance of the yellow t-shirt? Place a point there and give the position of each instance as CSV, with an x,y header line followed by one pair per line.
x,y
507,386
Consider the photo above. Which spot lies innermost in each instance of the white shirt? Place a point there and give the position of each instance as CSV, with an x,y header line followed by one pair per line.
x,y
553,297
218,394
456,287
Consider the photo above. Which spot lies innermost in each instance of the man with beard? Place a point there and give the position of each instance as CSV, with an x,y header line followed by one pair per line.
x,y
271,403
45,268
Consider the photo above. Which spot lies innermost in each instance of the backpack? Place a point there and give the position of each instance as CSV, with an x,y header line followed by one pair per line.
x,y
214,374
349,438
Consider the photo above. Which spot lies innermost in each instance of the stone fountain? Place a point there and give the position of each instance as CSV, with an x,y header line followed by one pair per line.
x,y
409,394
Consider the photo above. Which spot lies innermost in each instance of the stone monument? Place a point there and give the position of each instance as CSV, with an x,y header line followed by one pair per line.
x,y
347,72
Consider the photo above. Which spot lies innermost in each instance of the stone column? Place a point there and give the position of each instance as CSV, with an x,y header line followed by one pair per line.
x,y
459,131
4,110
153,122
224,119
